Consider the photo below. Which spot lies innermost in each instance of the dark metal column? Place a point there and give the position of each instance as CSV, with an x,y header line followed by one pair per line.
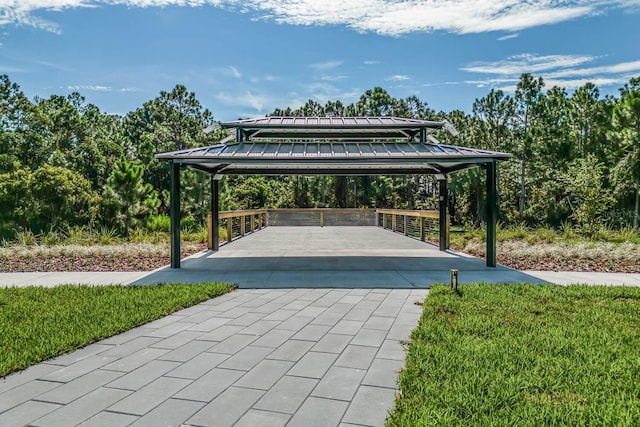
x,y
492,212
174,212
215,210
442,218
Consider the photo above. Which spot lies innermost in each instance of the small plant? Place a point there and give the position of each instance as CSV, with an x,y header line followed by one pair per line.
x,y
199,236
107,235
515,231
26,238
222,233
51,237
138,235
568,232
546,234
77,235
159,223
188,223
601,232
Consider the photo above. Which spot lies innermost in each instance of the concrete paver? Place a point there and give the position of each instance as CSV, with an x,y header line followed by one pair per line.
x,y
227,408
287,394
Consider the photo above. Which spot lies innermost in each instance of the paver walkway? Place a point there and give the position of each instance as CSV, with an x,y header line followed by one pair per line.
x,y
295,357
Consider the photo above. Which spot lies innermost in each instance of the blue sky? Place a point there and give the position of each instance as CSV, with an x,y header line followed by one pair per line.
x,y
243,59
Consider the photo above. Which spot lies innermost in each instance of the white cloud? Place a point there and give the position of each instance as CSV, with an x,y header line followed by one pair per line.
x,y
247,99
334,78
624,67
508,37
371,62
387,17
324,66
234,72
323,92
397,78
567,71
5,69
527,63
99,88
94,88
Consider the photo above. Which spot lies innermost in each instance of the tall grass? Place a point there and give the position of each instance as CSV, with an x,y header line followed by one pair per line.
x,y
547,235
103,235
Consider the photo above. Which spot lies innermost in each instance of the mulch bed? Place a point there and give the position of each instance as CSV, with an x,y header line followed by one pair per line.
x,y
575,264
602,265
81,262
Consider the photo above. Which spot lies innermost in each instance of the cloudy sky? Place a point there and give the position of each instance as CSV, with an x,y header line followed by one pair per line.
x,y
244,58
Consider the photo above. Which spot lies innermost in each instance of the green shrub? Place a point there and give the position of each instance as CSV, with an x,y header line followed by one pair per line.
x,y
26,238
189,223
159,223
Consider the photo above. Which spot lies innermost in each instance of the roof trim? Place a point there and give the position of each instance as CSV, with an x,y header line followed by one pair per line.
x,y
324,123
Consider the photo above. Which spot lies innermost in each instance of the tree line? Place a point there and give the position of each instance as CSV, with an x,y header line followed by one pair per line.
x,y
64,163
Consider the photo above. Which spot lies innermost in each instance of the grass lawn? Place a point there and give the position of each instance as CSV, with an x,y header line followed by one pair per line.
x,y
523,355
39,323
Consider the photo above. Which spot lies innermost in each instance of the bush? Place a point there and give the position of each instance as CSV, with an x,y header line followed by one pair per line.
x,y
159,223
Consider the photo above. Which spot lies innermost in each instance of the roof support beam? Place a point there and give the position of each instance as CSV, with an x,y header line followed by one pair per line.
x,y
442,218
215,213
492,212
174,212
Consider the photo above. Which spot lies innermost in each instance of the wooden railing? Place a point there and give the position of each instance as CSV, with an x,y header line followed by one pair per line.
x,y
421,225
237,223
321,217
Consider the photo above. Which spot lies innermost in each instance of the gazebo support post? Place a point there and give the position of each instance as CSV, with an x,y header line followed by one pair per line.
x,y
174,211
215,213
492,212
442,217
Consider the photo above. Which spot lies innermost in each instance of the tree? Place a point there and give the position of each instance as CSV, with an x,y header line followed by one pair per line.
x,y
494,112
50,197
583,116
626,125
588,196
375,102
527,97
127,198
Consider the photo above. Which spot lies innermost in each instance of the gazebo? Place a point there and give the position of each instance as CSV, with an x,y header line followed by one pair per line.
x,y
334,146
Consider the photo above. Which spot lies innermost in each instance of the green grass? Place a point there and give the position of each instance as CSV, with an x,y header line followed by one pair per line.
x,y
523,355
39,323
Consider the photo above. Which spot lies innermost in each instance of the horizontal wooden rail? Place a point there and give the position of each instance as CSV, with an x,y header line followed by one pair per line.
x,y
237,223
321,216
418,214
332,210
412,223
232,214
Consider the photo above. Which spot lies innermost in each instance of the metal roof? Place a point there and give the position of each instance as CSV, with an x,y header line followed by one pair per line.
x,y
332,127
332,122
333,146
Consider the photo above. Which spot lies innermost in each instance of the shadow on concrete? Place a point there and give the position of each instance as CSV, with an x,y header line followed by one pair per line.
x,y
332,257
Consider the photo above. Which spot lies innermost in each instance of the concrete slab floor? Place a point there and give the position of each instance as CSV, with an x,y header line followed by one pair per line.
x,y
342,257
